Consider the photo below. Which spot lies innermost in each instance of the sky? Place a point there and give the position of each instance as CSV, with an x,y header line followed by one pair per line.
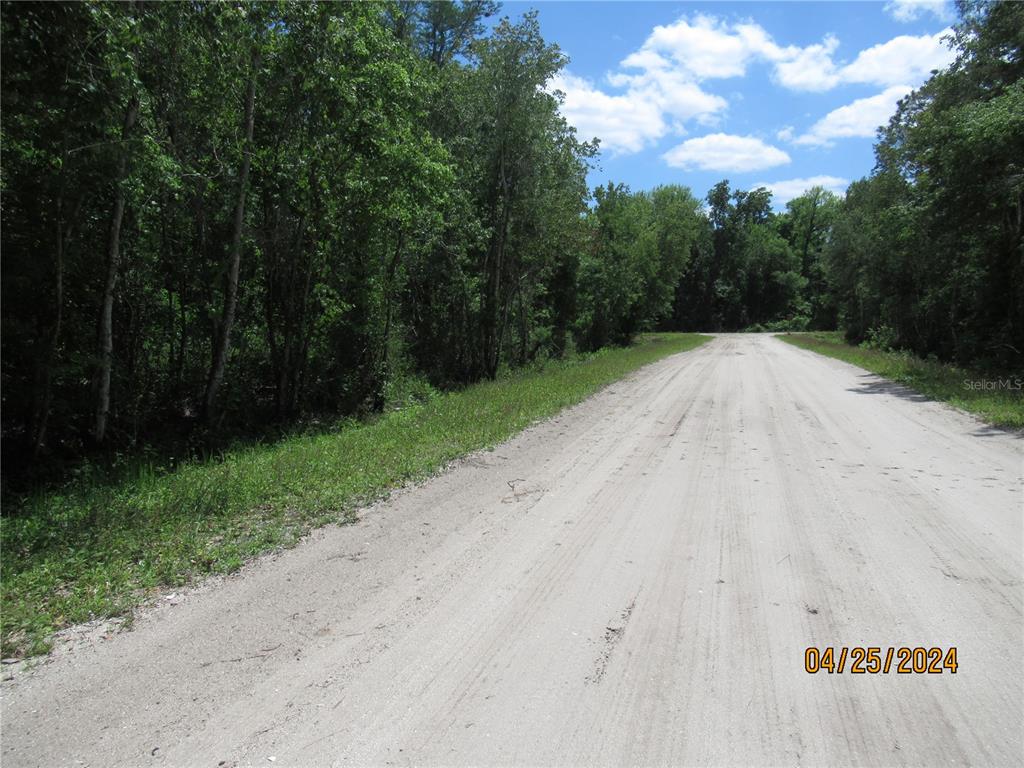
x,y
778,94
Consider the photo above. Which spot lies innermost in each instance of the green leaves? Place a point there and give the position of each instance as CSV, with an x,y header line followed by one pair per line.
x,y
930,245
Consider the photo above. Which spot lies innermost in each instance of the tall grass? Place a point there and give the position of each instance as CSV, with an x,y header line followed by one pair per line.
x,y
95,550
996,398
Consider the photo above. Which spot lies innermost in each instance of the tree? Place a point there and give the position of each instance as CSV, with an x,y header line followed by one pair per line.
x,y
52,140
807,227
942,271
743,271
441,30
222,338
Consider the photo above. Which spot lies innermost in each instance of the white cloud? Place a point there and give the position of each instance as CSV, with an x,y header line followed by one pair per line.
x,y
860,118
810,68
623,123
645,59
909,10
654,102
672,92
894,64
785,134
657,90
723,152
784,191
900,60
705,47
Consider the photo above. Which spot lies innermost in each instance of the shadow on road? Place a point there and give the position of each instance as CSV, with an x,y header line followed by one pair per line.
x,y
876,385
987,430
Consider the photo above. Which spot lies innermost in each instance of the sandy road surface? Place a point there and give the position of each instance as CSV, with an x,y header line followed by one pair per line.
x,y
631,583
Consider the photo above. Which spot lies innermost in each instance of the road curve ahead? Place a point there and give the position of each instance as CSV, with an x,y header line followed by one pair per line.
x,y
633,582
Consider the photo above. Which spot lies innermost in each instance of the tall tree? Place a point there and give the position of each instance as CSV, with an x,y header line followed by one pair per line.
x,y
222,337
113,262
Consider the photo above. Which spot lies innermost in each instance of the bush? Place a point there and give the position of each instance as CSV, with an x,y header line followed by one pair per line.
x,y
882,338
792,324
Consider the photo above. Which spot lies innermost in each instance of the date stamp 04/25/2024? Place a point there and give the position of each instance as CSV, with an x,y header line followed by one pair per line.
x,y
872,660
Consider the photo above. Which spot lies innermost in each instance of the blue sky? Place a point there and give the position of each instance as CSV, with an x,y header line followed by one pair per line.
x,y
784,94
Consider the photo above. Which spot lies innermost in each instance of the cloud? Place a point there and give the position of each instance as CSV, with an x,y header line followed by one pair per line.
x,y
723,152
860,118
784,191
900,60
622,123
705,48
910,10
785,134
894,64
654,102
810,68
671,92
658,89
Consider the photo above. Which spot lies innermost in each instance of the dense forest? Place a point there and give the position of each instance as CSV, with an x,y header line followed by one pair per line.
x,y
225,219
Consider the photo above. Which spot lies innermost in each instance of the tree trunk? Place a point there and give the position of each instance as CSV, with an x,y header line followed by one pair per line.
x,y
44,379
493,304
106,329
383,366
523,329
222,342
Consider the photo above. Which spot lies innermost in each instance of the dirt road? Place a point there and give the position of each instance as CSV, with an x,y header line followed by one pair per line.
x,y
634,582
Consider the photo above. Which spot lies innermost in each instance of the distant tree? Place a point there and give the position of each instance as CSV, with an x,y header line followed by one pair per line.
x,y
807,227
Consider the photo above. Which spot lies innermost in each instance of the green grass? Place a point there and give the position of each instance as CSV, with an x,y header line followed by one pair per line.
x,y
999,400
95,551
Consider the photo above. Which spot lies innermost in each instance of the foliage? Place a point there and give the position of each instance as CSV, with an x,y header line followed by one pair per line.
x,y
640,243
746,270
926,254
930,246
357,234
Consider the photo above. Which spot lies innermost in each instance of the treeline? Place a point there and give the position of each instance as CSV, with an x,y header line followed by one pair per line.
x,y
926,254
219,217
754,269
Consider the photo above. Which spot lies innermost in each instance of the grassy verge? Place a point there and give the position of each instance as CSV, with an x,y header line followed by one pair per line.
x,y
96,551
996,399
